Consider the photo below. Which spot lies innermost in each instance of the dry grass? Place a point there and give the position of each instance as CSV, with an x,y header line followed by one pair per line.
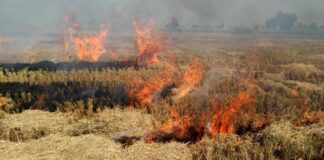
x,y
36,124
44,135
31,125
281,140
7,105
88,147
303,73
284,141
227,147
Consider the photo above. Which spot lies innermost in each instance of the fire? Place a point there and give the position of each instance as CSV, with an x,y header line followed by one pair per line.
x,y
192,127
90,48
186,128
193,73
87,47
69,29
147,43
192,76
224,121
144,91
294,92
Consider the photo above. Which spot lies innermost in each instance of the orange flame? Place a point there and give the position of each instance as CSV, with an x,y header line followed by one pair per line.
x,y
193,73
180,128
87,47
224,121
144,91
294,92
192,127
147,44
69,29
145,94
192,76
90,48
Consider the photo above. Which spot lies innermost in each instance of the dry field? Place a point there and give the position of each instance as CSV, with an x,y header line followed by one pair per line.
x,y
203,96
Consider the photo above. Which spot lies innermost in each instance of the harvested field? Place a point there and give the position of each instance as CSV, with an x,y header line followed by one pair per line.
x,y
150,90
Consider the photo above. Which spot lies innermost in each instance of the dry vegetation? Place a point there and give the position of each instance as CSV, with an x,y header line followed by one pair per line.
x,y
93,116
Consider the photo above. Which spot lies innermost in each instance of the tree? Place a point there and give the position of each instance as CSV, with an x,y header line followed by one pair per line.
x,y
281,20
173,24
313,26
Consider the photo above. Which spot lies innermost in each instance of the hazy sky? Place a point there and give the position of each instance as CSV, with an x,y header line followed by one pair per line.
x,y
42,14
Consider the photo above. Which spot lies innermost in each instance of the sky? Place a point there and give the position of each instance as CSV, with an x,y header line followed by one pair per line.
x,y
48,14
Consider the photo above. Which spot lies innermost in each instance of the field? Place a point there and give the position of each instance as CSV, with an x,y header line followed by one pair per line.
x,y
203,96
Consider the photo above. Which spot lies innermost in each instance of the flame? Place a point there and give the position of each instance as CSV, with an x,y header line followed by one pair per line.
x,y
185,128
294,92
224,121
308,116
87,47
69,29
192,76
145,94
144,91
91,47
147,44
192,127
193,73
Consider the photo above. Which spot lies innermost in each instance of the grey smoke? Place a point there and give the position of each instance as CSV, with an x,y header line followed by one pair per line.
x,y
38,15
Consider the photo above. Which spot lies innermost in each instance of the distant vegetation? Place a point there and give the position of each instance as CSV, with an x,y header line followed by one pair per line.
x,y
281,20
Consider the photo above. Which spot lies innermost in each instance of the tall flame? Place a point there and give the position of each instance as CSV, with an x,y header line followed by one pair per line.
x,y
147,43
69,29
224,121
91,47
144,91
193,74
87,47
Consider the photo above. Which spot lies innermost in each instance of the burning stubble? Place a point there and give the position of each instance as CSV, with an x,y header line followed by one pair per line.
x,y
87,47
147,43
91,47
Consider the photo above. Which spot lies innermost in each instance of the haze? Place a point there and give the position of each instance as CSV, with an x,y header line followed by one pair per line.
x,y
48,14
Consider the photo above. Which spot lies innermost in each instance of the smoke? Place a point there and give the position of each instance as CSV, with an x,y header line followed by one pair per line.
x,y
27,20
36,15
